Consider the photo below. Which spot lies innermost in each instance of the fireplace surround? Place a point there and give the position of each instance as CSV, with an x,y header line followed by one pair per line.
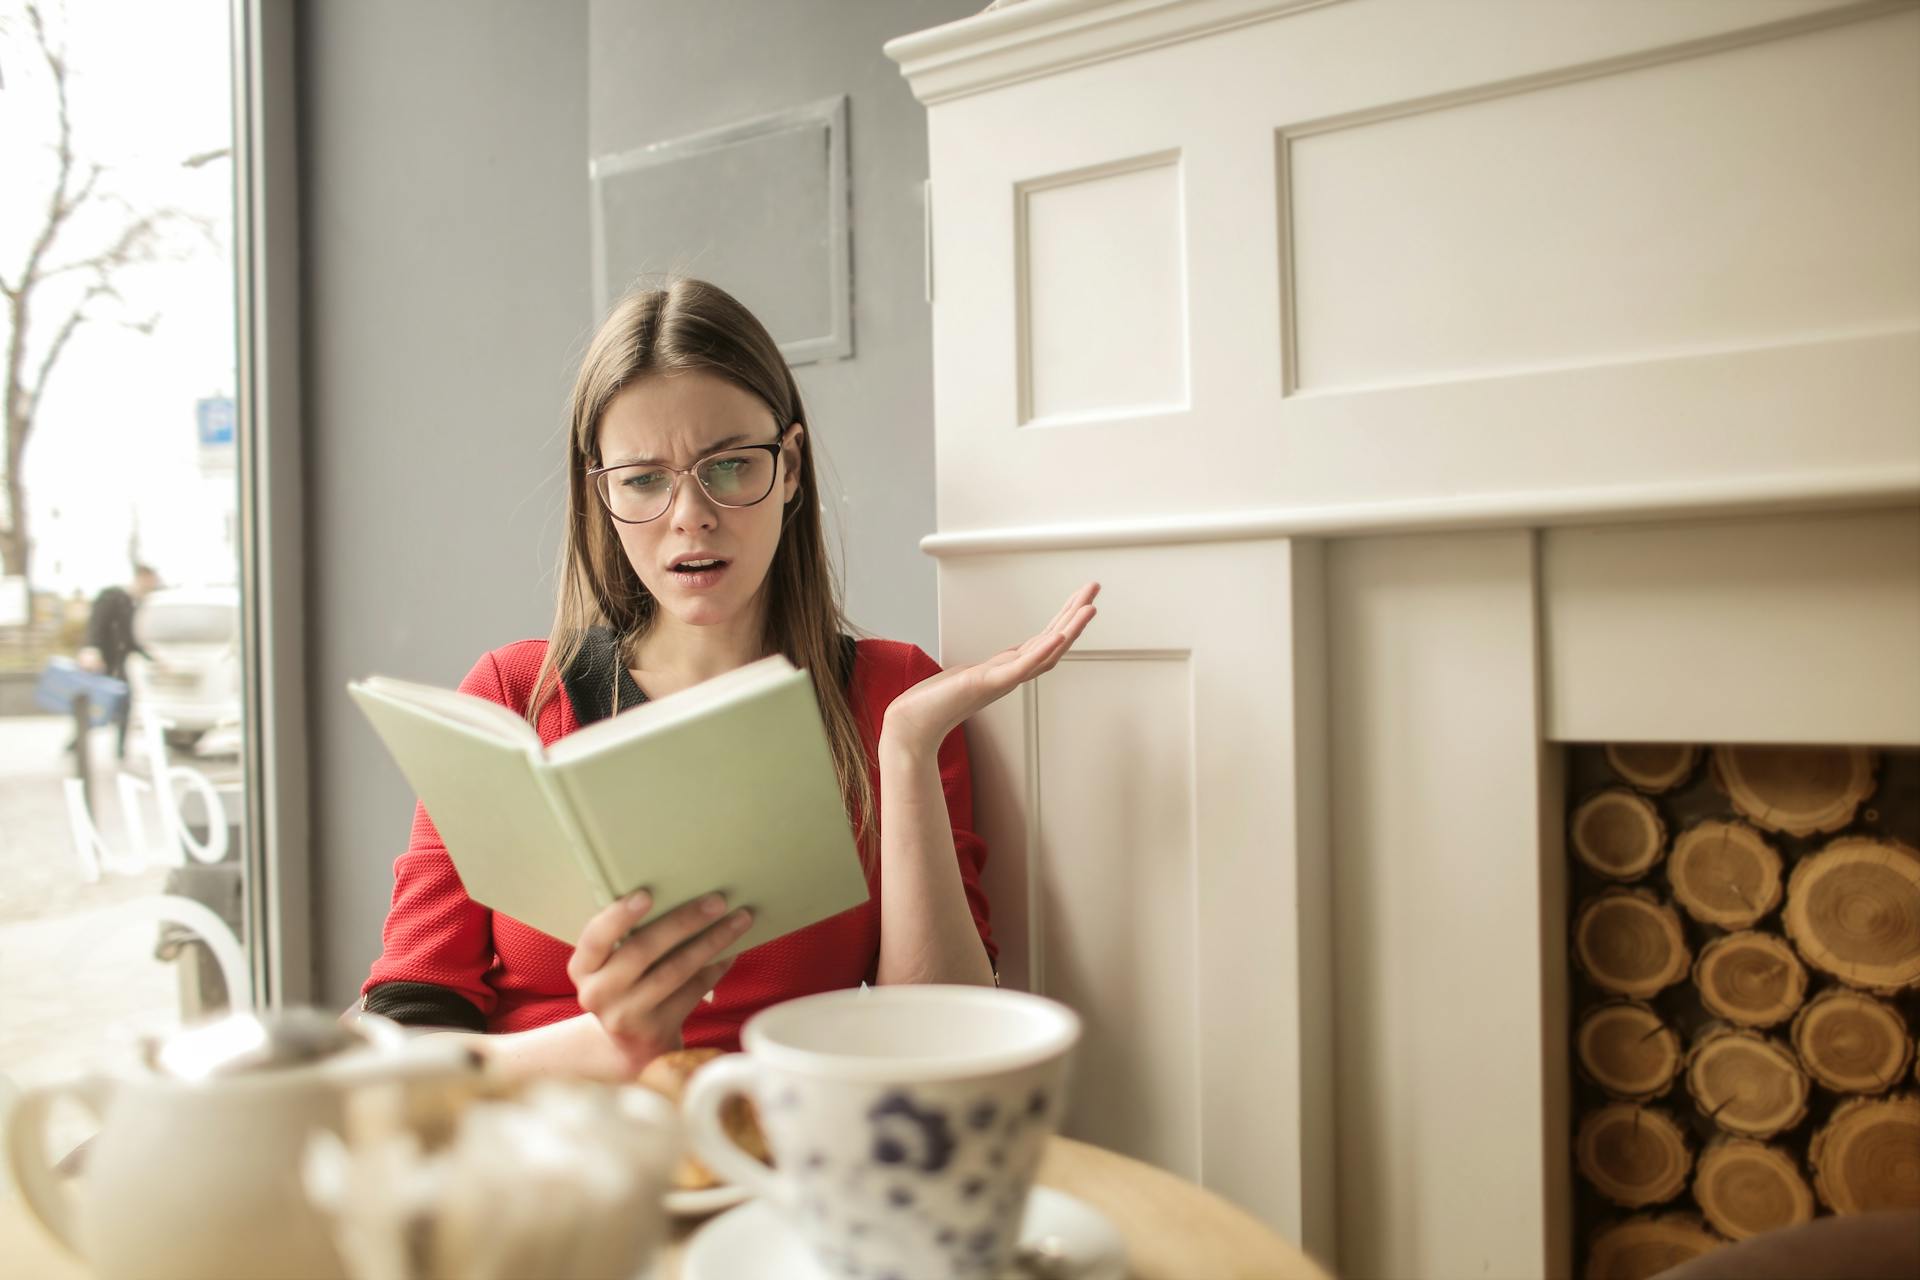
x,y
1443,386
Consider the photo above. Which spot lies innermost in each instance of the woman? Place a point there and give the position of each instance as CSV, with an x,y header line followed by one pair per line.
x,y
694,546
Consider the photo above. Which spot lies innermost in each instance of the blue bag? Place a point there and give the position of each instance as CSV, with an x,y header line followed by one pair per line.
x,y
64,680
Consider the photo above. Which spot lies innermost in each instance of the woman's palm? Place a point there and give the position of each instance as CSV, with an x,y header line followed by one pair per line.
x,y
930,710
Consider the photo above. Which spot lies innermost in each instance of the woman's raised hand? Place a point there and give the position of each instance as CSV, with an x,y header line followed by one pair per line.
x,y
920,719
640,984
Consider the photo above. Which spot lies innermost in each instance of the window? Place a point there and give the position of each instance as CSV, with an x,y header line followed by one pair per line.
x,y
128,823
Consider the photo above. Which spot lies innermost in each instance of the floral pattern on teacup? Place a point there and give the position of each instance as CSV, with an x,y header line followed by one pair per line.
x,y
905,1134
911,1181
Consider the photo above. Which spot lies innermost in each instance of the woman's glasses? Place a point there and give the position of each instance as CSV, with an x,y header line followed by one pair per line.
x,y
638,492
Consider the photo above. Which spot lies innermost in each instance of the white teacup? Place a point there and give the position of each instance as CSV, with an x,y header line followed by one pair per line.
x,y
905,1122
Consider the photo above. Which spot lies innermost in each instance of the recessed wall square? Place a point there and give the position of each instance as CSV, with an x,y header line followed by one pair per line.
x,y
758,207
1101,256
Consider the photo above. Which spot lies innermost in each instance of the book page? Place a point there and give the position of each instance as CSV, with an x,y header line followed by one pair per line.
x,y
476,713
513,852
650,717
740,797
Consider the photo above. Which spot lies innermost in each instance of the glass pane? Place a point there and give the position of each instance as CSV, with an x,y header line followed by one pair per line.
x,y
120,712
178,617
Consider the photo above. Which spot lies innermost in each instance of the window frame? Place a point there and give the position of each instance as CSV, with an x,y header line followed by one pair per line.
x,y
277,848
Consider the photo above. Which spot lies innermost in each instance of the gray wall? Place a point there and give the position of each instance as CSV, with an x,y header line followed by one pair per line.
x,y
447,296
663,69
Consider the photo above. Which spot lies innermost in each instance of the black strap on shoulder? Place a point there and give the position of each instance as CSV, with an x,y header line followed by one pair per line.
x,y
424,1004
597,682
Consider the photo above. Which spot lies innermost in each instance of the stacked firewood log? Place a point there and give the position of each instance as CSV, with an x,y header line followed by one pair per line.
x,y
1746,934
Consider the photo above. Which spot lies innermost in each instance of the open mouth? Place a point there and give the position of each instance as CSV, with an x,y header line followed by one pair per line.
x,y
692,568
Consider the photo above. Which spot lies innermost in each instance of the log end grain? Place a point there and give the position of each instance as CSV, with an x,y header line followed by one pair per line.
x,y
1801,791
1747,1084
1853,910
1749,978
1630,943
1852,1043
1642,1247
1867,1155
1745,1188
1618,833
1652,767
1634,1156
1725,874
1628,1050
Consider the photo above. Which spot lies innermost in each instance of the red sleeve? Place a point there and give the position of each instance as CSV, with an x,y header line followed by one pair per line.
x,y
956,780
434,931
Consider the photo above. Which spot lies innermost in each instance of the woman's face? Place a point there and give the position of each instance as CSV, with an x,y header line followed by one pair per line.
x,y
677,420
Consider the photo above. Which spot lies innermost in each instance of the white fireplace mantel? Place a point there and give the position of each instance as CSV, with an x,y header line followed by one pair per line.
x,y
1891,485
1042,37
1428,385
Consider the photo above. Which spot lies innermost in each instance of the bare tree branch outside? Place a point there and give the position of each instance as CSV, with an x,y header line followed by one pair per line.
x,y
67,274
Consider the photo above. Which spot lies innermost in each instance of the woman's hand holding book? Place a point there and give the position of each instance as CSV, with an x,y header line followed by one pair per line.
x,y
640,983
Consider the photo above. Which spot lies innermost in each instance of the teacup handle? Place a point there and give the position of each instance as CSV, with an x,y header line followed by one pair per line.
x,y
40,1186
708,1091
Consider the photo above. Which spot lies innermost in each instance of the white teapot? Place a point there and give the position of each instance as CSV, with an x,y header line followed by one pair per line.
x,y
195,1172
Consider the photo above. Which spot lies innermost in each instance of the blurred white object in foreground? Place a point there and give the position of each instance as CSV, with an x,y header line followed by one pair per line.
x,y
560,1180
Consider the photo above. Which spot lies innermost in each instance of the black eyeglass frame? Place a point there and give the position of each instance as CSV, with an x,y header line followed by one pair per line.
x,y
673,487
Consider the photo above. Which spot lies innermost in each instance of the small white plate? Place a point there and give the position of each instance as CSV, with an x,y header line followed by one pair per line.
x,y
684,1203
753,1242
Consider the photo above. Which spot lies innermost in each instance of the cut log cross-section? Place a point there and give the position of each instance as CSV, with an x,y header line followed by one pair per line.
x,y
1746,1187
1633,1155
1852,1043
1868,1155
1853,910
1652,767
1750,978
1725,874
1627,1050
1748,1085
1644,1246
1802,791
1618,833
1630,943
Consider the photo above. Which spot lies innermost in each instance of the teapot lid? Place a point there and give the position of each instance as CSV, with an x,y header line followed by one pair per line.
x,y
251,1041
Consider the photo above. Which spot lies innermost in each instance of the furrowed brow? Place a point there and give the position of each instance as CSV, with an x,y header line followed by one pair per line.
x,y
634,460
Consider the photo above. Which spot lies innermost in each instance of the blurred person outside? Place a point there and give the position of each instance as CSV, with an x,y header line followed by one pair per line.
x,y
110,641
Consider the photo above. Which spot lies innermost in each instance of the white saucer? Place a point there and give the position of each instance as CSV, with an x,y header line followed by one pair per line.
x,y
707,1200
753,1242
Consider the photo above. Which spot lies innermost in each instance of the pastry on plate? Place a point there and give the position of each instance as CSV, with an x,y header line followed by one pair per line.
x,y
667,1075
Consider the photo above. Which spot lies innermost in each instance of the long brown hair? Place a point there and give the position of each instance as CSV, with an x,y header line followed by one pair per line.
x,y
687,325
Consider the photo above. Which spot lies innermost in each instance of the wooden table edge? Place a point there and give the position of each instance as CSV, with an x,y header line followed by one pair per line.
x,y
1174,1229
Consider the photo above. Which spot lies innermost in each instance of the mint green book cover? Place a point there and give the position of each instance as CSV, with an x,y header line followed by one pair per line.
x,y
727,786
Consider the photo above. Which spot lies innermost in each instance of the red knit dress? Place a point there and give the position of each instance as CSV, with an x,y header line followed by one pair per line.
x,y
516,976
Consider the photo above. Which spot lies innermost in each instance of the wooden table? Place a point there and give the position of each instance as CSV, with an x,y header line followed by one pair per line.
x,y
1174,1230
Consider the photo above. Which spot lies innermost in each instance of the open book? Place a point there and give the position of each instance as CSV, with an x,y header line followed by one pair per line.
x,y
727,785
